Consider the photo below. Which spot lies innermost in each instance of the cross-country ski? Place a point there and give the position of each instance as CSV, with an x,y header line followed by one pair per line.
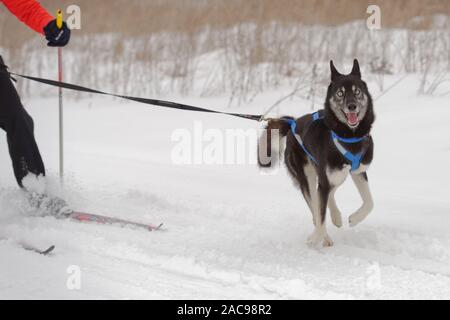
x,y
94,218
29,247
44,252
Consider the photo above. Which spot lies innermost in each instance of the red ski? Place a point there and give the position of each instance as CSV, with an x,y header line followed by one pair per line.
x,y
89,217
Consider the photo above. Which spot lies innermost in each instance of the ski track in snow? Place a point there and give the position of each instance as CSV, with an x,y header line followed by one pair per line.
x,y
229,232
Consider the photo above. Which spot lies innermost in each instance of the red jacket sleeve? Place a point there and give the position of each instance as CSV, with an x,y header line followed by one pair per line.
x,y
29,12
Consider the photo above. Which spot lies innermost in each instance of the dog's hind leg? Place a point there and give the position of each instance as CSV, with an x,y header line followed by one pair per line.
x,y
335,213
362,184
320,235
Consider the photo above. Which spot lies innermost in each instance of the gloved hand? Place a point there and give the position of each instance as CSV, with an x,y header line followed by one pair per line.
x,y
57,37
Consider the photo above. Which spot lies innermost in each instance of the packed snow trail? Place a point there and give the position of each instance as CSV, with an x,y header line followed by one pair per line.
x,y
230,231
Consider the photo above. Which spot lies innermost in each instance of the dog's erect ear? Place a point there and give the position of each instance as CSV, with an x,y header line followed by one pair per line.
x,y
356,71
334,72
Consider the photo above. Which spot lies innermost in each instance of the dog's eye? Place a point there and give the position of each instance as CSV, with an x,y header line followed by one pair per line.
x,y
340,93
357,92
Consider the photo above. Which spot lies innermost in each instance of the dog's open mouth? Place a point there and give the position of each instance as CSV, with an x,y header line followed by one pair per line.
x,y
352,118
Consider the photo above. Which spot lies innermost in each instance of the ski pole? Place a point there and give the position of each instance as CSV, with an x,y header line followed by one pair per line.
x,y
59,24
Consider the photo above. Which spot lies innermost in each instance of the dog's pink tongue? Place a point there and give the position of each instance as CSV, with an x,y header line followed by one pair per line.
x,y
352,118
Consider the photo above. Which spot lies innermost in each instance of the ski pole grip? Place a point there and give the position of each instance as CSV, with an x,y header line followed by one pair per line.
x,y
59,19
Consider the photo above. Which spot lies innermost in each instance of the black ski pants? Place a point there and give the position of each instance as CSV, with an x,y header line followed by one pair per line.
x,y
19,128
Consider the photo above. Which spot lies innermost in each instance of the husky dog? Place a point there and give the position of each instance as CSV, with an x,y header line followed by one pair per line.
x,y
322,149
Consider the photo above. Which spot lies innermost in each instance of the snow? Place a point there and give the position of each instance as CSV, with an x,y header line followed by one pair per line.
x,y
230,232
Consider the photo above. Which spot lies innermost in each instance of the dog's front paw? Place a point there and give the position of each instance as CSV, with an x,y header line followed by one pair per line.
x,y
319,239
361,214
356,218
327,242
336,218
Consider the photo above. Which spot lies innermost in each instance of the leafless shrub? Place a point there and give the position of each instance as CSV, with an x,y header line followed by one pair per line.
x,y
163,47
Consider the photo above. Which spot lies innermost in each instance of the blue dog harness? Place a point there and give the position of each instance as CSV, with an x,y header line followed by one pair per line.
x,y
354,159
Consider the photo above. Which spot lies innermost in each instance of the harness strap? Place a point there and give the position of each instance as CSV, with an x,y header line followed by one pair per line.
x,y
293,125
347,140
354,159
317,116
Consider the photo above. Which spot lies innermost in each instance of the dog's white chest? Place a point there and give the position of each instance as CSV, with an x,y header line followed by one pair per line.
x,y
337,177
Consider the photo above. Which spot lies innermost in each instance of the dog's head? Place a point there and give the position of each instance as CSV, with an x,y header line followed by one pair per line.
x,y
348,100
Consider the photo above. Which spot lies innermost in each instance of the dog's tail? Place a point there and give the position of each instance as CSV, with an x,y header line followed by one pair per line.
x,y
269,145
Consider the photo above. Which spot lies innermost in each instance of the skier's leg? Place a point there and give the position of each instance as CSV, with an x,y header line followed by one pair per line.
x,y
19,127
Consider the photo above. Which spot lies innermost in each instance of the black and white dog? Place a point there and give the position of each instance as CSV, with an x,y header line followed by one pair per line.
x,y
323,148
